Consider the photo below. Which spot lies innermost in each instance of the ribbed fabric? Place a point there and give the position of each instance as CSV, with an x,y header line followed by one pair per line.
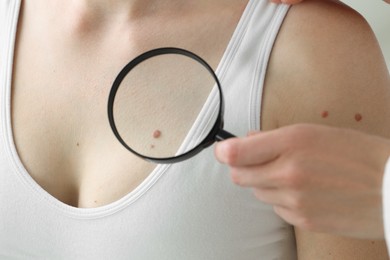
x,y
189,210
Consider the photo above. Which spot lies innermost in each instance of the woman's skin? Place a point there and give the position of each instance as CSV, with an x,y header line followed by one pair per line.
x,y
317,178
89,43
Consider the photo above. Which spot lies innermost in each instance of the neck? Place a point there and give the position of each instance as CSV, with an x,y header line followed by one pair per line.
x,y
87,14
134,8
82,17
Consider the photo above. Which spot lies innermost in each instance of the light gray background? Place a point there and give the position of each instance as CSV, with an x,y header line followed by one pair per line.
x,y
377,13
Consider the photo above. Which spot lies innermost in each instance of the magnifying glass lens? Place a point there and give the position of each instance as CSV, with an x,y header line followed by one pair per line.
x,y
164,106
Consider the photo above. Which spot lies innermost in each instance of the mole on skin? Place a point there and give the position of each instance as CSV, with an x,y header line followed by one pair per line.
x,y
324,114
358,117
157,134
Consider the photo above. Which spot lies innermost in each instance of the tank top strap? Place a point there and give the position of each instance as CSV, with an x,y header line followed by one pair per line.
x,y
243,80
9,13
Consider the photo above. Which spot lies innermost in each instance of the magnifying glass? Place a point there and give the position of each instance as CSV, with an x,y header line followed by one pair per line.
x,y
166,106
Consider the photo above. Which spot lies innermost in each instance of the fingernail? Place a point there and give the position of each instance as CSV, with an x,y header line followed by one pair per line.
x,y
252,132
235,177
219,147
221,151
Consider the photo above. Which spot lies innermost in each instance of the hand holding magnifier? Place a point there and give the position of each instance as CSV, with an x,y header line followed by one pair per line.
x,y
166,106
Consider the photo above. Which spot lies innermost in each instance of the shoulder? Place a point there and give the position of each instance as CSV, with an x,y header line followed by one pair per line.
x,y
326,67
327,30
326,59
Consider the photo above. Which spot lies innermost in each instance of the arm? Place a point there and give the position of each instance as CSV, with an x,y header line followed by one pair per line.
x,y
327,68
325,59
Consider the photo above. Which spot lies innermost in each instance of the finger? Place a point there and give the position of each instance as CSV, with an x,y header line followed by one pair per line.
x,y
252,150
289,216
387,1
272,197
255,176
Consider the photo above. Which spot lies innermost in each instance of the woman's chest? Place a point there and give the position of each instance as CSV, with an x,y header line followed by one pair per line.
x,y
59,101
61,127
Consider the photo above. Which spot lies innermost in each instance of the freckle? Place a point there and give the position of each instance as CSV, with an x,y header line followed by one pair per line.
x,y
95,201
151,146
157,134
358,117
78,144
324,114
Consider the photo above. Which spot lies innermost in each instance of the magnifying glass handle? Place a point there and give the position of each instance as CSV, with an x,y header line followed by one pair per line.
x,y
223,135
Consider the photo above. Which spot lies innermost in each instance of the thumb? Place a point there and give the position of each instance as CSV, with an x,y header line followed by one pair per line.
x,y
255,149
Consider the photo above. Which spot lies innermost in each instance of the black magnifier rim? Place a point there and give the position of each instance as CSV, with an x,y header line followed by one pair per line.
x,y
207,141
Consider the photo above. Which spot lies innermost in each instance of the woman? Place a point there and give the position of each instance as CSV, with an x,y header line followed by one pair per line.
x,y
69,190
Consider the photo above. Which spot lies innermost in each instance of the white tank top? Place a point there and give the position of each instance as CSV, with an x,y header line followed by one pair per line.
x,y
189,210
